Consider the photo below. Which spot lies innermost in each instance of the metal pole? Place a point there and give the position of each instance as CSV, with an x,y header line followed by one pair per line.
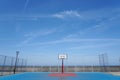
x,y
119,64
107,62
119,61
26,65
22,65
83,68
75,69
62,65
100,63
93,68
17,53
104,63
57,68
11,65
50,68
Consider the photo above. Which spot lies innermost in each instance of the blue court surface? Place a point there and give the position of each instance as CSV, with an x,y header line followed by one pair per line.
x,y
44,76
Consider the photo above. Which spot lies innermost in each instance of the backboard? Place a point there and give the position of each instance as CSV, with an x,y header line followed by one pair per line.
x,y
62,56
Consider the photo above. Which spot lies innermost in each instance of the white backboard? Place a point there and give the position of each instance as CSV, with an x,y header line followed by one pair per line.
x,y
62,56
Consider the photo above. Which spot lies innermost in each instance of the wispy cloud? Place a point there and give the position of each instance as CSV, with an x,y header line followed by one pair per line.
x,y
26,4
64,41
40,33
67,14
95,46
62,15
33,35
99,27
96,15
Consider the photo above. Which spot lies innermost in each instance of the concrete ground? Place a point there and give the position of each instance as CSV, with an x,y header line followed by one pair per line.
x,y
115,73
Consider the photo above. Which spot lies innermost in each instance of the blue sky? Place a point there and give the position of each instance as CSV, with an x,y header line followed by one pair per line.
x,y
42,29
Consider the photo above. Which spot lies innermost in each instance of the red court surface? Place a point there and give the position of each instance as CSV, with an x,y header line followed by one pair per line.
x,y
62,74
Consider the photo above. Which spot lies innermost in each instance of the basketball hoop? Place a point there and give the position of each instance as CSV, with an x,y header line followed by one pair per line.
x,y
62,56
62,74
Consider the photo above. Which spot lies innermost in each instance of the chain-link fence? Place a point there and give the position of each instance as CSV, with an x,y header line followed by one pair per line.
x,y
96,63
7,65
75,63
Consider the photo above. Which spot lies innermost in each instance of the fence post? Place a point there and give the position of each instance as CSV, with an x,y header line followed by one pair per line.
x,y
22,65
50,68
11,65
119,64
17,53
26,65
93,68
100,63
83,68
